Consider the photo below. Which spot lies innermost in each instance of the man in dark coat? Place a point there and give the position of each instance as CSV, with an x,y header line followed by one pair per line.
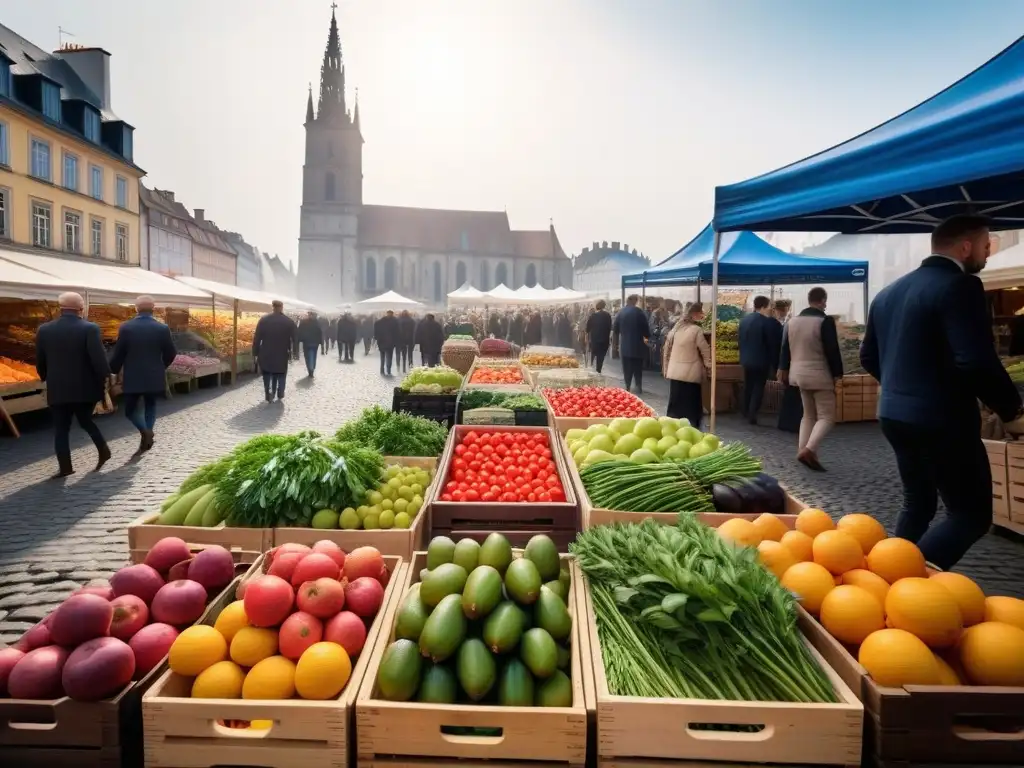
x,y
71,360
534,332
406,339
385,331
144,349
599,331
631,328
272,343
311,336
515,328
760,338
348,332
929,343
430,337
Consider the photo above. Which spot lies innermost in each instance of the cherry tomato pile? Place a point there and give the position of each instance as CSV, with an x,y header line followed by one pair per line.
x,y
596,403
497,374
503,467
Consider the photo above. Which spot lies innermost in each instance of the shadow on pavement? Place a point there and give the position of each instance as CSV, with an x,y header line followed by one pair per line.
x,y
262,416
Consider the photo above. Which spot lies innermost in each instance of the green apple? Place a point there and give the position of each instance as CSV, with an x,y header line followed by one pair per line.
x,y
679,452
596,457
690,435
700,449
665,443
668,421
575,445
643,456
712,440
580,454
626,444
574,434
648,427
668,429
622,426
602,443
651,444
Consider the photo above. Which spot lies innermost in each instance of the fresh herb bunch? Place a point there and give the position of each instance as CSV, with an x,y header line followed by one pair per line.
x,y
208,474
525,402
246,461
681,612
728,463
394,434
485,398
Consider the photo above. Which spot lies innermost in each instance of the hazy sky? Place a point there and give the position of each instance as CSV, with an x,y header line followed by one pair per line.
x,y
615,118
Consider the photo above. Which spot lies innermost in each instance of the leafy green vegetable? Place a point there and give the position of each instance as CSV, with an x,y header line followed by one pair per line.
x,y
487,398
525,402
395,434
480,398
448,379
208,474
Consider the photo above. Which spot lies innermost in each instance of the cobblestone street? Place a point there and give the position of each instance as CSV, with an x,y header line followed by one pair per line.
x,y
55,535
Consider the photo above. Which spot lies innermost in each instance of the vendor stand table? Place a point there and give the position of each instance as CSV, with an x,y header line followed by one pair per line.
x,y
191,379
18,398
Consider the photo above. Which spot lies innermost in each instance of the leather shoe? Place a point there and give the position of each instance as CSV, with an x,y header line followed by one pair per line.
x,y
104,457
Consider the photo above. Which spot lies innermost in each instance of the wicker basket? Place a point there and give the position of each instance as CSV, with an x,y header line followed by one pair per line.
x,y
459,354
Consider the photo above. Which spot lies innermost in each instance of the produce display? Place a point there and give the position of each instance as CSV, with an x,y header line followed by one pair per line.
x,y
875,594
14,372
503,467
538,357
293,631
218,328
395,434
393,503
485,626
1015,369
515,401
497,374
559,378
432,381
643,441
596,402
461,337
189,364
495,348
682,613
727,342
110,633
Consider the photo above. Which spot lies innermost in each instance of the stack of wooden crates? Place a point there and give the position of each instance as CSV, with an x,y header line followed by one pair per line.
x,y
1006,460
856,398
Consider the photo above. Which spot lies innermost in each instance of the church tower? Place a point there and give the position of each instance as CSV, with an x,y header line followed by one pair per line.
x,y
332,188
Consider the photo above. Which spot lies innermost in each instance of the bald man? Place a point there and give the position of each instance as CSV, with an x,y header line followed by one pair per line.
x,y
144,350
71,360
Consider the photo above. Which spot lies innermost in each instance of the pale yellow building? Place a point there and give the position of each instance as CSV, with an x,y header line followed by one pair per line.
x,y
68,180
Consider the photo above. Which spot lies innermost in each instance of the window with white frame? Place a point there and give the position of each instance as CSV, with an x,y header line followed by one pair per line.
x,y
70,171
122,192
41,221
39,165
96,182
5,212
121,242
5,158
96,247
72,231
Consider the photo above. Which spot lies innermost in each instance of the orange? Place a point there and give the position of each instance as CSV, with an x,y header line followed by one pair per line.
x,y
813,521
740,532
252,645
968,595
926,610
947,675
196,649
1008,610
839,552
231,619
895,559
775,557
223,680
851,613
872,582
895,658
992,653
800,544
322,671
770,528
810,583
272,678
864,528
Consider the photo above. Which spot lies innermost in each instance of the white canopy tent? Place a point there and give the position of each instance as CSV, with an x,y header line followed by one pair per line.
x,y
386,301
568,295
244,299
467,295
502,295
1005,269
536,294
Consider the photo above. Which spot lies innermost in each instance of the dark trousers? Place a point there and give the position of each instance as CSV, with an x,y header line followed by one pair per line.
x,y
754,380
430,359
131,410
345,350
62,416
633,368
366,344
684,402
309,353
599,351
387,357
408,355
274,383
934,463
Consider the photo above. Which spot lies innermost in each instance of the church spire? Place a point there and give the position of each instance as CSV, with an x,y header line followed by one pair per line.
x,y
355,115
309,106
332,77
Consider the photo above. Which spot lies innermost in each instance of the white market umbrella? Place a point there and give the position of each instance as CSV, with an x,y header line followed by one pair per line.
x,y
568,294
503,296
537,294
388,300
468,295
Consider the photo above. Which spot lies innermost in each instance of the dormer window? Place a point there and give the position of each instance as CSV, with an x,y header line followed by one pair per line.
x,y
5,78
91,125
51,100
127,144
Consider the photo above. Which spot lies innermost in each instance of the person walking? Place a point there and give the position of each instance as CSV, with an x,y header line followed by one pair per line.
x,y
406,339
534,332
348,332
71,361
366,328
144,350
430,337
760,338
686,361
812,361
272,343
599,331
325,332
515,329
563,330
632,329
929,343
386,331
332,333
310,333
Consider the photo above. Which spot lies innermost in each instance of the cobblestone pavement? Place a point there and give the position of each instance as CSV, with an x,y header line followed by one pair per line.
x,y
56,535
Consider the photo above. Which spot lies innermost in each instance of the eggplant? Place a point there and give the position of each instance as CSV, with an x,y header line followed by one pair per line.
x,y
765,480
775,499
726,498
751,495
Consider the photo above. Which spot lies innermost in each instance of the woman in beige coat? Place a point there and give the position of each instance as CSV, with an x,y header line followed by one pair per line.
x,y
686,361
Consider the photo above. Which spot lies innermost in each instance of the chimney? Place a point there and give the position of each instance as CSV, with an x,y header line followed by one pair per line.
x,y
615,245
166,194
200,215
594,245
604,244
92,65
625,247
585,250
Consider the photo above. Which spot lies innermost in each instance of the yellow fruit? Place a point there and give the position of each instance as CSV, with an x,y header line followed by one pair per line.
x,y
947,675
196,649
926,610
740,532
272,678
814,521
992,653
322,671
770,528
252,645
895,658
799,544
968,595
864,528
837,551
775,557
810,583
895,559
223,680
232,619
872,582
851,613
1008,610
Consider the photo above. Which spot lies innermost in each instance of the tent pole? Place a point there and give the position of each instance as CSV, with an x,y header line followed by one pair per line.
x,y
698,290
866,301
234,345
714,329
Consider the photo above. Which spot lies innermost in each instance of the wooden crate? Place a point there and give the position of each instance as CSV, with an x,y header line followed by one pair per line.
x,y
394,541
1014,480
387,729
560,520
997,461
925,723
491,362
245,544
181,732
793,734
446,763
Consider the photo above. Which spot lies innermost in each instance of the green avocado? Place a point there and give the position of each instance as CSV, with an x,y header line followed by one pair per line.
x,y
482,592
467,554
438,686
550,613
522,581
515,685
476,669
444,629
503,627
541,550
538,651
564,659
496,552
412,615
556,691
445,579
399,673
440,550
559,589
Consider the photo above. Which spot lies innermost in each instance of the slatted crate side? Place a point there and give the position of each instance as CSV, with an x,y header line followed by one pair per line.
x,y
553,734
487,362
517,538
246,544
446,763
181,732
792,733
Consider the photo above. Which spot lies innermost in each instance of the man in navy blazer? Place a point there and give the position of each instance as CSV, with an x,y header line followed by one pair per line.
x,y
632,328
144,349
760,338
929,343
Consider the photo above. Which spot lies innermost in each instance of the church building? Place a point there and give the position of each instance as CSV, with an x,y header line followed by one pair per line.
x,y
349,250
